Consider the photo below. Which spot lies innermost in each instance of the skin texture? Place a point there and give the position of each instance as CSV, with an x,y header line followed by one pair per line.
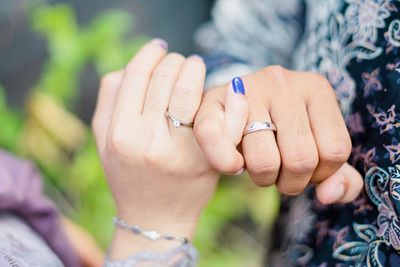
x,y
311,145
158,174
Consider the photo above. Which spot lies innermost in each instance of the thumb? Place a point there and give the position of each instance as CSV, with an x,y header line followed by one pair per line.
x,y
236,110
342,187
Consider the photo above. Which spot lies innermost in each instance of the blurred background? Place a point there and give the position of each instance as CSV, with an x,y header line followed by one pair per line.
x,y
52,55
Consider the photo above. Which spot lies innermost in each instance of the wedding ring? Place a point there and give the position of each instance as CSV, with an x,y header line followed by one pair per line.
x,y
259,126
177,122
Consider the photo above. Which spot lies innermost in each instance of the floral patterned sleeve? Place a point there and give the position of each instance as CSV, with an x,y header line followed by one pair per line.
x,y
375,127
246,35
356,46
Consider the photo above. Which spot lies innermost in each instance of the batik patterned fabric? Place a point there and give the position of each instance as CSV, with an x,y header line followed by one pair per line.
x,y
355,44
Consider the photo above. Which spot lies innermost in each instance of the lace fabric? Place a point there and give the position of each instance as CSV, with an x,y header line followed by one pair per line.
x,y
183,256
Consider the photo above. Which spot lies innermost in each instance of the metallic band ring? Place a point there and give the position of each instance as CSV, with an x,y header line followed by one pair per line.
x,y
259,126
177,122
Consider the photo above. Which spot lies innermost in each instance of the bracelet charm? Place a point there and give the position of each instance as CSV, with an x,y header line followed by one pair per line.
x,y
149,234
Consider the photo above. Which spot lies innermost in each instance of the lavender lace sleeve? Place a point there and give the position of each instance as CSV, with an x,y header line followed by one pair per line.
x,y
21,195
182,256
22,246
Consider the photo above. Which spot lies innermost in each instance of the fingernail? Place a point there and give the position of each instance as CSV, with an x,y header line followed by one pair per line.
x,y
238,86
196,57
240,172
161,43
337,193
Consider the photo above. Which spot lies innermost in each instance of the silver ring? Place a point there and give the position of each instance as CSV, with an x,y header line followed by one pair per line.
x,y
177,122
259,126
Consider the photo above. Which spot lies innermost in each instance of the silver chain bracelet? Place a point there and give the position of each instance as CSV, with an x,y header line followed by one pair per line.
x,y
151,235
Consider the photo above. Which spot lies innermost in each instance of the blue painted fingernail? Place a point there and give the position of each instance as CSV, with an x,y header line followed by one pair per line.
x,y
238,86
161,43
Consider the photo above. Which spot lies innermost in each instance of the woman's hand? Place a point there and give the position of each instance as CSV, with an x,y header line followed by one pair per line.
x,y
157,173
312,143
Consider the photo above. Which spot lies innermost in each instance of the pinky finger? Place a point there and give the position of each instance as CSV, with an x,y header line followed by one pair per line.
x,y
212,135
342,187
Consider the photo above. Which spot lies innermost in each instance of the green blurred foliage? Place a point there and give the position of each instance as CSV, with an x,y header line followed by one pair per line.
x,y
47,131
231,230
101,42
11,124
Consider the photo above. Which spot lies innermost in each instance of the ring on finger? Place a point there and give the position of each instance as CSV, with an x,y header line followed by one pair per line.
x,y
177,122
259,126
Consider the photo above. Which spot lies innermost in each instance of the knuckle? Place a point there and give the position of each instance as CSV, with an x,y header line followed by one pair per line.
x,y
169,68
208,100
200,65
207,133
176,58
111,79
181,107
228,165
205,129
336,153
292,190
161,160
214,94
259,167
320,79
185,98
263,172
183,84
262,181
276,71
303,163
135,68
117,142
277,80
153,158
165,71
321,82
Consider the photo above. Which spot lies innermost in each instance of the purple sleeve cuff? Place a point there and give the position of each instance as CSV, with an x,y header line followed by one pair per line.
x,y
21,193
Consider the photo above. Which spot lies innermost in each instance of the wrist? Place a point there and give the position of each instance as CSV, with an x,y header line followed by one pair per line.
x,y
163,225
131,239
175,216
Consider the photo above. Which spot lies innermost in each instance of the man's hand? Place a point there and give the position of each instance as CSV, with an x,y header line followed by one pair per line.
x,y
311,144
